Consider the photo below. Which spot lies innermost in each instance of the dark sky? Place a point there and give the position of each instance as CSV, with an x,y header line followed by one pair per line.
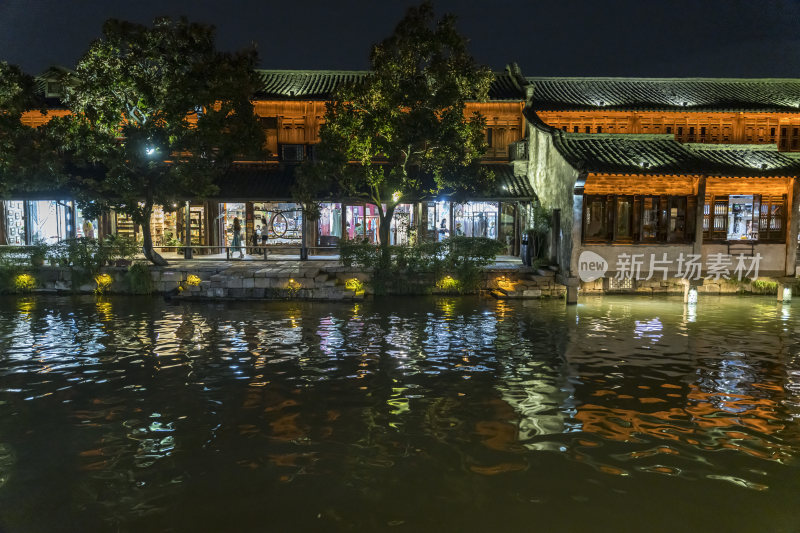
x,y
661,38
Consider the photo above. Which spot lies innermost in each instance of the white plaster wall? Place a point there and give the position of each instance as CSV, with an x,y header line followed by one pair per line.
x,y
772,261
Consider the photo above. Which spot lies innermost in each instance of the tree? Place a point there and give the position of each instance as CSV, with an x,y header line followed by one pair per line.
x,y
401,133
23,158
161,113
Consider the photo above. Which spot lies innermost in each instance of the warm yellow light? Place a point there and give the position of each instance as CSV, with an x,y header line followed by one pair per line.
x,y
396,195
448,283
24,282
103,283
355,285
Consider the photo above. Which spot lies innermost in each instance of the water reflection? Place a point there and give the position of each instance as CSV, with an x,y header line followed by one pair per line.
x,y
425,412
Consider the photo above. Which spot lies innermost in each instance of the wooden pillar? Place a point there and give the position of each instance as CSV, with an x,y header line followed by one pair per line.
x,y
697,246
3,224
187,250
73,215
738,129
26,209
792,227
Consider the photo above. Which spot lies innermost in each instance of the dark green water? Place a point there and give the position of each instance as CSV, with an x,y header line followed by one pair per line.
x,y
400,415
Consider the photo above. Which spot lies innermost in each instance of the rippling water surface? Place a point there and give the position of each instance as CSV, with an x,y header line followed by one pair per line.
x,y
399,415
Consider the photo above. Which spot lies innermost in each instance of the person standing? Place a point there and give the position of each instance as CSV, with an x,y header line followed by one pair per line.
x,y
88,229
237,237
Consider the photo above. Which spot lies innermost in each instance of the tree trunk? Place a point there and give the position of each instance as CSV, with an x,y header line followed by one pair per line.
x,y
385,226
147,245
384,229
303,237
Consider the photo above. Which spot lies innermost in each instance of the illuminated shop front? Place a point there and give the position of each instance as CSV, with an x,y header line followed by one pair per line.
x,y
745,217
402,228
13,223
437,220
50,220
282,222
476,219
230,212
361,222
166,226
329,225
25,221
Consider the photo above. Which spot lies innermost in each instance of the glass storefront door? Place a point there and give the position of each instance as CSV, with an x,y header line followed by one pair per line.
x,y
402,222
437,220
230,212
507,233
50,220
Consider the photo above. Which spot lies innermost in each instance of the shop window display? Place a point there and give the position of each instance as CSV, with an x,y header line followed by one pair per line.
x,y
14,222
281,222
329,225
361,222
476,219
402,224
50,220
86,227
437,220
230,212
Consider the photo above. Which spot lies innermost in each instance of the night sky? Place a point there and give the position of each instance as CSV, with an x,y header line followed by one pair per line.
x,y
657,38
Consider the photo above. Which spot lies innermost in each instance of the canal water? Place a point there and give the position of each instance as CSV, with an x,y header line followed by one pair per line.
x,y
406,415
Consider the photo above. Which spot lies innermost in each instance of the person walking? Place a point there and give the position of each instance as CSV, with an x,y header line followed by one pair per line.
x,y
237,237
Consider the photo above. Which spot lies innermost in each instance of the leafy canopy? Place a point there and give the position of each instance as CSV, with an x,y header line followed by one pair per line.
x,y
23,157
401,132
158,114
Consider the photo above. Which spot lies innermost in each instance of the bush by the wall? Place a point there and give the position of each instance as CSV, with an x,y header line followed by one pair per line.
x,y
138,279
463,257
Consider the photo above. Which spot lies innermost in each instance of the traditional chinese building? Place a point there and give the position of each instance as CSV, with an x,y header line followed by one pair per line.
x,y
652,207
625,162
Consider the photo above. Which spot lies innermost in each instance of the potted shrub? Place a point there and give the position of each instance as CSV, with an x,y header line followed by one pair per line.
x,y
38,252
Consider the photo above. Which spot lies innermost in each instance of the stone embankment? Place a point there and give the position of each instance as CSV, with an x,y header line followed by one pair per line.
x,y
312,280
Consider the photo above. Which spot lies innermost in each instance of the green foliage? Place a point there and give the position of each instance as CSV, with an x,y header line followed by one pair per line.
x,y
37,252
122,247
182,107
401,132
26,162
138,279
467,256
82,253
392,267
541,221
764,286
8,273
24,282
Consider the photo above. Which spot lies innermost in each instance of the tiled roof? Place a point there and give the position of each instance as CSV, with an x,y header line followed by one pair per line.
x,y
321,84
275,181
507,185
669,94
660,154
